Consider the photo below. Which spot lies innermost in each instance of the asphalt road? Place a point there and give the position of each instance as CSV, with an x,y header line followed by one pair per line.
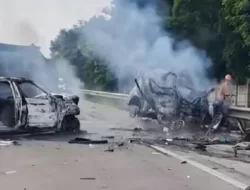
x,y
53,164
61,166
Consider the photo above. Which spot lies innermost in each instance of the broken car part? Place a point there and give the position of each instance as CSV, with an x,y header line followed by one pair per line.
x,y
79,140
25,105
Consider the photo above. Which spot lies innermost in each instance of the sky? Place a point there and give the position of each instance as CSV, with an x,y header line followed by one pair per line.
x,y
24,22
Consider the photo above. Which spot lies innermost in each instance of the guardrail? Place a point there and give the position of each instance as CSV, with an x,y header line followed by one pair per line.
x,y
239,113
106,94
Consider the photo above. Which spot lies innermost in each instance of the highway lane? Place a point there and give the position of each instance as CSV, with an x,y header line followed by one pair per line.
x,y
51,163
60,166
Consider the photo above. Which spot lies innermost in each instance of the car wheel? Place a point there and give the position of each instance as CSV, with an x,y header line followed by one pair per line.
x,y
70,124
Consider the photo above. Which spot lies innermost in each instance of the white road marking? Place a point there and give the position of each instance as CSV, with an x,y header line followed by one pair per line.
x,y
217,174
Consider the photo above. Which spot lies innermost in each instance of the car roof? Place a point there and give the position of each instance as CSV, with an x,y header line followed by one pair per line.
x,y
14,79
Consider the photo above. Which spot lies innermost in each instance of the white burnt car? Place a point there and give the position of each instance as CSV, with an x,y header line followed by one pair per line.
x,y
26,105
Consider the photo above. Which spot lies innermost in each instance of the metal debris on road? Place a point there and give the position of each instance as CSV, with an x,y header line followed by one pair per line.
x,y
109,150
137,129
241,146
79,140
8,143
87,178
120,144
201,147
108,137
112,148
169,140
10,172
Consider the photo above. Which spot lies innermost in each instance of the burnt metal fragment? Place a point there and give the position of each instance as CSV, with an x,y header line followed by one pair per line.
x,y
79,140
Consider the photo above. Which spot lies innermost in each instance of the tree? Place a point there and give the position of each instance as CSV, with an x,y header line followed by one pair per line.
x,y
237,14
220,27
91,69
211,25
237,47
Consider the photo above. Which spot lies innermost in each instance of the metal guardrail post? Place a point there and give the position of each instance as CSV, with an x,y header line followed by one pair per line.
x,y
236,95
247,93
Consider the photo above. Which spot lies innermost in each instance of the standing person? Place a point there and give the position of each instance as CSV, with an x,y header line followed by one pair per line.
x,y
222,102
223,95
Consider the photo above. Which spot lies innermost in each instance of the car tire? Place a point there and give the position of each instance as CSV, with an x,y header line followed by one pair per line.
x,y
70,123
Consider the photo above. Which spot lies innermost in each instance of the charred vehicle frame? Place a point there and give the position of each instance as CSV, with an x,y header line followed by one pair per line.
x,y
175,112
150,100
26,105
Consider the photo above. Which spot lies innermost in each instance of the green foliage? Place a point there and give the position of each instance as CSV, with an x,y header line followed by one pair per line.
x,y
92,70
220,27
237,14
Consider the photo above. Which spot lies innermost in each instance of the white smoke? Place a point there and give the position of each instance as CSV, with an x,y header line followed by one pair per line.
x,y
132,40
38,22
28,21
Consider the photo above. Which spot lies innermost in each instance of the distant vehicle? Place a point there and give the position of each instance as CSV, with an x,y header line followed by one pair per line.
x,y
25,105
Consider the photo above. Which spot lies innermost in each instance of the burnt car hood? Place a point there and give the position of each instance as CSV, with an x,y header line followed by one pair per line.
x,y
64,95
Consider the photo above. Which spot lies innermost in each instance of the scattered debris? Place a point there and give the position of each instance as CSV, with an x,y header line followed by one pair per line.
x,y
109,150
137,129
241,146
182,138
120,144
217,140
183,162
87,178
79,140
10,172
201,147
112,148
188,176
108,137
138,140
8,143
169,169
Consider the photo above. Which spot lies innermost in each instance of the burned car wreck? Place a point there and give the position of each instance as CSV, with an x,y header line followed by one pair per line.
x,y
173,103
26,105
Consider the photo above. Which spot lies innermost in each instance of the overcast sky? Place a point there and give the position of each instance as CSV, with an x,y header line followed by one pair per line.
x,y
38,21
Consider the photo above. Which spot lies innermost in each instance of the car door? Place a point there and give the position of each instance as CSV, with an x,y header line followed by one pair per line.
x,y
41,112
20,110
7,105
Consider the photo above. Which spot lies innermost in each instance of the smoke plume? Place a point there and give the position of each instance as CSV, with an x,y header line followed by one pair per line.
x,y
38,22
132,40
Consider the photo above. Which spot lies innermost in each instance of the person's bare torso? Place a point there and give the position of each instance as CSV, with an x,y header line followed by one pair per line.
x,y
223,92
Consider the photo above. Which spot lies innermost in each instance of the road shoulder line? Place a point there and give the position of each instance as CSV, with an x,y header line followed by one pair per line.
x,y
204,168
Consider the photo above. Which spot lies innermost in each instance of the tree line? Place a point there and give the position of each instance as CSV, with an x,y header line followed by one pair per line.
x,y
220,27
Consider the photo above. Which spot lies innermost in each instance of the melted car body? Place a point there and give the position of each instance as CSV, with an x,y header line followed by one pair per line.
x,y
171,104
152,100
25,104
